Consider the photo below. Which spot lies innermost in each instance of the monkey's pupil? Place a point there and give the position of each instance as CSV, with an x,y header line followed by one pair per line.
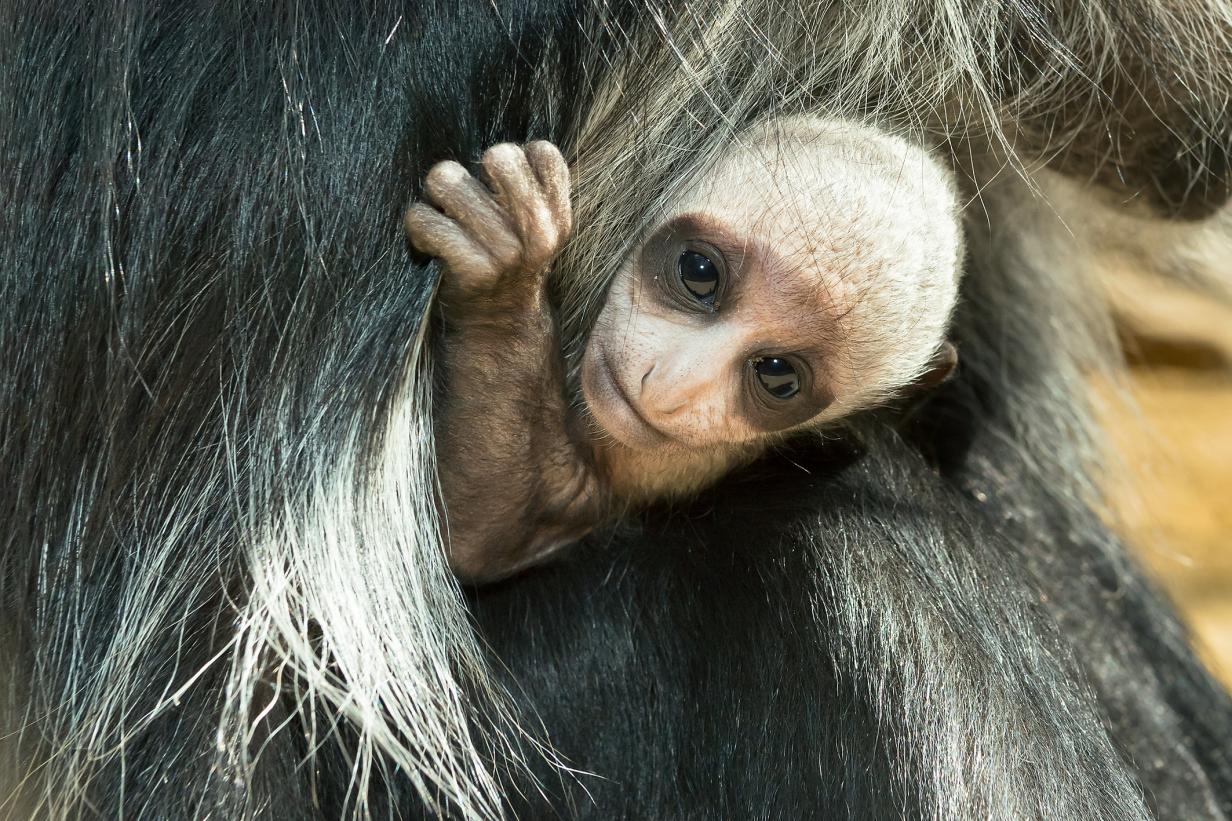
x,y
777,376
700,276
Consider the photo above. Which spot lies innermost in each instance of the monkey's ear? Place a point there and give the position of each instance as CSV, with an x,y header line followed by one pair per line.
x,y
940,367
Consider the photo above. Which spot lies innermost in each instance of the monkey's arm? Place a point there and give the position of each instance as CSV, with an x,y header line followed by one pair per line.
x,y
514,484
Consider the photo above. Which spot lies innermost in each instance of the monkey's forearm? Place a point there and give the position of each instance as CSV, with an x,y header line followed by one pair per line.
x,y
514,483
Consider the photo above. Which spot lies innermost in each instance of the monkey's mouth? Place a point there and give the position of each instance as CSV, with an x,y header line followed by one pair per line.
x,y
613,411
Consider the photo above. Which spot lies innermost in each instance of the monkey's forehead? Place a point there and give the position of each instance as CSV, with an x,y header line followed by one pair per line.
x,y
782,141
848,175
837,213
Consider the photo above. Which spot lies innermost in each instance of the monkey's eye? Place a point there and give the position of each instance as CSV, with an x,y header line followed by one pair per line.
x,y
700,276
777,376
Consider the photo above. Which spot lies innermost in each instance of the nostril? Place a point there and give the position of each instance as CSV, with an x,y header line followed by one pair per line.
x,y
646,375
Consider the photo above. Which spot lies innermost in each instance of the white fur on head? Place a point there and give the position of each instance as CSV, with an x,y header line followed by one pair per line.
x,y
874,220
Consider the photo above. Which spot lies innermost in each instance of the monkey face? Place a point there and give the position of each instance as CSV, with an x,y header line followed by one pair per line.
x,y
811,274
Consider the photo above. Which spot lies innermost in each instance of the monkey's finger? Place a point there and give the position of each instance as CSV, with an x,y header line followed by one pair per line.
x,y
553,174
435,234
466,200
509,174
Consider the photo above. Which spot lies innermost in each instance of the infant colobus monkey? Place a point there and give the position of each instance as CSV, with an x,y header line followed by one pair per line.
x,y
810,274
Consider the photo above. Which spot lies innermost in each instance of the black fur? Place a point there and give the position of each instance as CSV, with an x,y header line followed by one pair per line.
x,y
201,223
730,626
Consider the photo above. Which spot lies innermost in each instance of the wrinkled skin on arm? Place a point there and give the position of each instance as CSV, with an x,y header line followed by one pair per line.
x,y
515,484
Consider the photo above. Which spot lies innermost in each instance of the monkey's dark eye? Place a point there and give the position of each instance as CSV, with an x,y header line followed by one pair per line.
x,y
700,276
777,376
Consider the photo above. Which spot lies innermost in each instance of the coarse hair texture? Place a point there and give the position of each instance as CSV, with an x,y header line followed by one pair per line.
x,y
216,376
997,87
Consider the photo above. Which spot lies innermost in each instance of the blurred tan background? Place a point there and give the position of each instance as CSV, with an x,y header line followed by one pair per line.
x,y
1174,496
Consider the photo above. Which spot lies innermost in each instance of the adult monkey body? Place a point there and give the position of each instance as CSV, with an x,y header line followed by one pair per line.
x,y
202,512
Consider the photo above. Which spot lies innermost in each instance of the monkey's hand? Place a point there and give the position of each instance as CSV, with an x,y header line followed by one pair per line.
x,y
515,486
497,239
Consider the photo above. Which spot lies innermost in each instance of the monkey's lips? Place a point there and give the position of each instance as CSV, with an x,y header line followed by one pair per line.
x,y
614,412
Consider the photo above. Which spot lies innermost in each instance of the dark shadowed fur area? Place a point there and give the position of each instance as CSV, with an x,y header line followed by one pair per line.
x,y
222,586
798,642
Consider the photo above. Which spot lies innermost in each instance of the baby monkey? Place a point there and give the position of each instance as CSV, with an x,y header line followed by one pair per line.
x,y
809,274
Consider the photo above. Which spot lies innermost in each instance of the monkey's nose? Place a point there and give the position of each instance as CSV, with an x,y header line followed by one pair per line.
x,y
654,397
666,394
646,376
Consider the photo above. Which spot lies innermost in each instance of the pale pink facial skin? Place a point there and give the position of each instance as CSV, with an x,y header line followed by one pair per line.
x,y
840,249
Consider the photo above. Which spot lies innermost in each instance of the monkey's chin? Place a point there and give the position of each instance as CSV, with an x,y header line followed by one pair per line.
x,y
613,415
